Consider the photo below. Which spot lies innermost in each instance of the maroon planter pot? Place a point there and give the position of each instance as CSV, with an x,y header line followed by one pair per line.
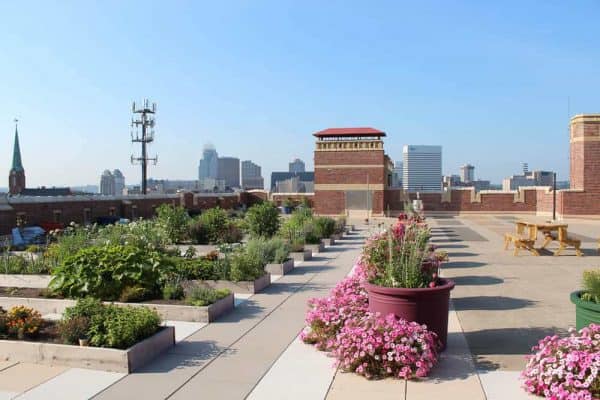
x,y
427,306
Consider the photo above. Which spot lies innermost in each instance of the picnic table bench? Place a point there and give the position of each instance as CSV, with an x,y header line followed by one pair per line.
x,y
551,231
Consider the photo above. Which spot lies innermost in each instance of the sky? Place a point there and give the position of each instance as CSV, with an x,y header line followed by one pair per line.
x,y
494,83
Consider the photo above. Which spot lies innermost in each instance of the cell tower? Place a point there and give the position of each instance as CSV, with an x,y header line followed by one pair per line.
x,y
145,120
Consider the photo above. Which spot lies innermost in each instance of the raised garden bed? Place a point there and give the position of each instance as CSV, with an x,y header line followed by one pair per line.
x,y
315,248
280,269
305,255
176,310
329,242
246,287
114,360
25,280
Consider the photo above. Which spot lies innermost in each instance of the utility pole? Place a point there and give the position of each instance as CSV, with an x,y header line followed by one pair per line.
x,y
554,197
145,120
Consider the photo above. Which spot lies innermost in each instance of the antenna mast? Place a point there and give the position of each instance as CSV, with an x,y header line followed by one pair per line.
x,y
145,119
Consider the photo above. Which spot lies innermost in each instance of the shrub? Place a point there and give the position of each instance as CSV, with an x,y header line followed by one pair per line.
x,y
24,264
565,368
105,271
273,250
201,296
87,307
172,291
3,321
245,267
73,329
174,220
212,226
324,227
263,220
377,347
201,268
340,224
122,327
23,321
134,294
591,286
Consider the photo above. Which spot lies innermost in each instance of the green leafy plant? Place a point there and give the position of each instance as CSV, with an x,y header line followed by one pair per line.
x,y
591,286
274,250
134,294
73,329
212,226
122,327
105,271
201,296
263,220
173,291
245,266
324,227
174,220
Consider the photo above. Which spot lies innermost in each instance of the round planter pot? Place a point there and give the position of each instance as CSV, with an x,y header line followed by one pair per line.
x,y
428,306
586,312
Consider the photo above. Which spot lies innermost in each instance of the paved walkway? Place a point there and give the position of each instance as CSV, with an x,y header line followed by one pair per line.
x,y
501,306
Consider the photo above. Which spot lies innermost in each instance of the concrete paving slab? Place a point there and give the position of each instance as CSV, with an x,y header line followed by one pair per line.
x,y
24,376
239,298
8,395
74,384
184,329
349,386
6,364
500,385
302,372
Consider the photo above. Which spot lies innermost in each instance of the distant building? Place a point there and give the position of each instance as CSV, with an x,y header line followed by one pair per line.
x,y
529,178
212,185
208,167
467,173
107,183
449,181
85,189
397,175
297,165
173,186
305,180
228,169
252,176
16,177
44,191
422,168
119,181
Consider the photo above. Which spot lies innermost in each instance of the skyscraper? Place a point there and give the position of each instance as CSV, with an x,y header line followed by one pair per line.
x,y
107,183
251,176
422,168
119,182
228,169
467,173
397,174
297,165
16,177
209,166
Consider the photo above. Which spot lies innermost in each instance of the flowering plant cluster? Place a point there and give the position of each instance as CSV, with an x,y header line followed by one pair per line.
x,y
565,368
22,321
326,316
376,346
368,344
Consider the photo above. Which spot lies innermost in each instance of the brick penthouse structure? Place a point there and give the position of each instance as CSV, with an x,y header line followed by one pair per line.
x,y
352,172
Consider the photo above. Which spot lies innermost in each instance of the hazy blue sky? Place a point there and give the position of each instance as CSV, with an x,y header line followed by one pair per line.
x,y
489,81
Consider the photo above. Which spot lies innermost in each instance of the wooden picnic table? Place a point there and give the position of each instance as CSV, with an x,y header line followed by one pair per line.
x,y
548,229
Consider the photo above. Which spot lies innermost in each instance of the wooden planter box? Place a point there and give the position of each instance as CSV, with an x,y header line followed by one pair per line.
x,y
174,312
25,280
305,255
113,360
315,248
329,242
246,287
280,269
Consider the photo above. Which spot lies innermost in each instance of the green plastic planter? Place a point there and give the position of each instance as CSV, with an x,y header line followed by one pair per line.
x,y
586,312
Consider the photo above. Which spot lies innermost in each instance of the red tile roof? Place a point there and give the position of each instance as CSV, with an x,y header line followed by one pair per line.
x,y
340,132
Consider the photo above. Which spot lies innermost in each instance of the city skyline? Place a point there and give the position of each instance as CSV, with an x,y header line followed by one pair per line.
x,y
481,83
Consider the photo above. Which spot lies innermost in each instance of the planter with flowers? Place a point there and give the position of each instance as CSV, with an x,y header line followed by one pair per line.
x,y
403,278
587,301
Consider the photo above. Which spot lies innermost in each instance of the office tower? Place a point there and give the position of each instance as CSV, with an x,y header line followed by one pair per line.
x,y
297,165
119,182
107,183
208,167
397,174
422,168
251,176
228,169
467,173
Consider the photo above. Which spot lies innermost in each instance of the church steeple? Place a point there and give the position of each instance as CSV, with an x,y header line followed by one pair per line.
x,y
16,177
17,165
